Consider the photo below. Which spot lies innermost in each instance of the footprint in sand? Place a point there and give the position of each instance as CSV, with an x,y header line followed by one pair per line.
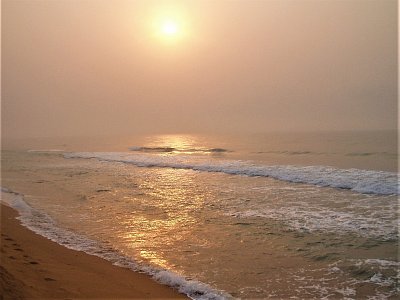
x,y
49,279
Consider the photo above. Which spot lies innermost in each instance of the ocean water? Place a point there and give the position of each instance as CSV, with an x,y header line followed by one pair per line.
x,y
294,215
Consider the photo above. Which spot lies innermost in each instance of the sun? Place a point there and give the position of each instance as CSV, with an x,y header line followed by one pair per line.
x,y
169,28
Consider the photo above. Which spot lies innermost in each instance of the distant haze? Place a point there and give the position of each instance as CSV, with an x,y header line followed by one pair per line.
x,y
73,67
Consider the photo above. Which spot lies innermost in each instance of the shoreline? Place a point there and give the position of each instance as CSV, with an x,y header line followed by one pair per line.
x,y
32,266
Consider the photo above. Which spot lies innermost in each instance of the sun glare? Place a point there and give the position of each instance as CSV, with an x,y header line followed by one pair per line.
x,y
169,28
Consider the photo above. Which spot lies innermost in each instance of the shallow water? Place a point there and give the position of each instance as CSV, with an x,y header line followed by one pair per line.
x,y
216,210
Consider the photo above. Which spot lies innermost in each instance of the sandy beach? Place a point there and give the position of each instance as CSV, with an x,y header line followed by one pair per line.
x,y
199,149
35,267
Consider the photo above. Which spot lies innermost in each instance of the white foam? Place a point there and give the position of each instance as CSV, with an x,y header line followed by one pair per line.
x,y
379,268
361,181
382,264
15,201
381,280
44,225
347,291
385,287
195,289
308,218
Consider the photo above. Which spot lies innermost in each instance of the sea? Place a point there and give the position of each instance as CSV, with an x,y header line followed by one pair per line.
x,y
299,215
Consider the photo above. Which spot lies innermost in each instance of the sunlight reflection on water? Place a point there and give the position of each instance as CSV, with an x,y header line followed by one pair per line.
x,y
167,222
179,142
243,234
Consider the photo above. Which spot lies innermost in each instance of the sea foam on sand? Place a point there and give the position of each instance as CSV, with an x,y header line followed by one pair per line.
x,y
44,225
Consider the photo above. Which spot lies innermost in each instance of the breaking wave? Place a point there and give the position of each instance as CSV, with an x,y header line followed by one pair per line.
x,y
361,181
177,150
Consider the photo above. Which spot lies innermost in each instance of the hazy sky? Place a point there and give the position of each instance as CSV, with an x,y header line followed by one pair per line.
x,y
72,67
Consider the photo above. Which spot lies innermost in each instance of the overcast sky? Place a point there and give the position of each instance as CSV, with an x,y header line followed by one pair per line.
x,y
72,67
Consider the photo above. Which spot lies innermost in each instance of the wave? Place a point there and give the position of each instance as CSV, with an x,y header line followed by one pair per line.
x,y
306,218
289,152
172,149
45,226
386,154
45,150
304,152
153,149
361,181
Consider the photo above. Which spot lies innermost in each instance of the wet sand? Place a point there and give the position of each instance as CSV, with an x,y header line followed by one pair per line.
x,y
32,266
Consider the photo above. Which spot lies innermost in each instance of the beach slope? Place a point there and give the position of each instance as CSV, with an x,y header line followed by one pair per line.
x,y
32,266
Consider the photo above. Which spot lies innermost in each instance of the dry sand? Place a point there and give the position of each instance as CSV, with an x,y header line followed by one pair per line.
x,y
35,267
